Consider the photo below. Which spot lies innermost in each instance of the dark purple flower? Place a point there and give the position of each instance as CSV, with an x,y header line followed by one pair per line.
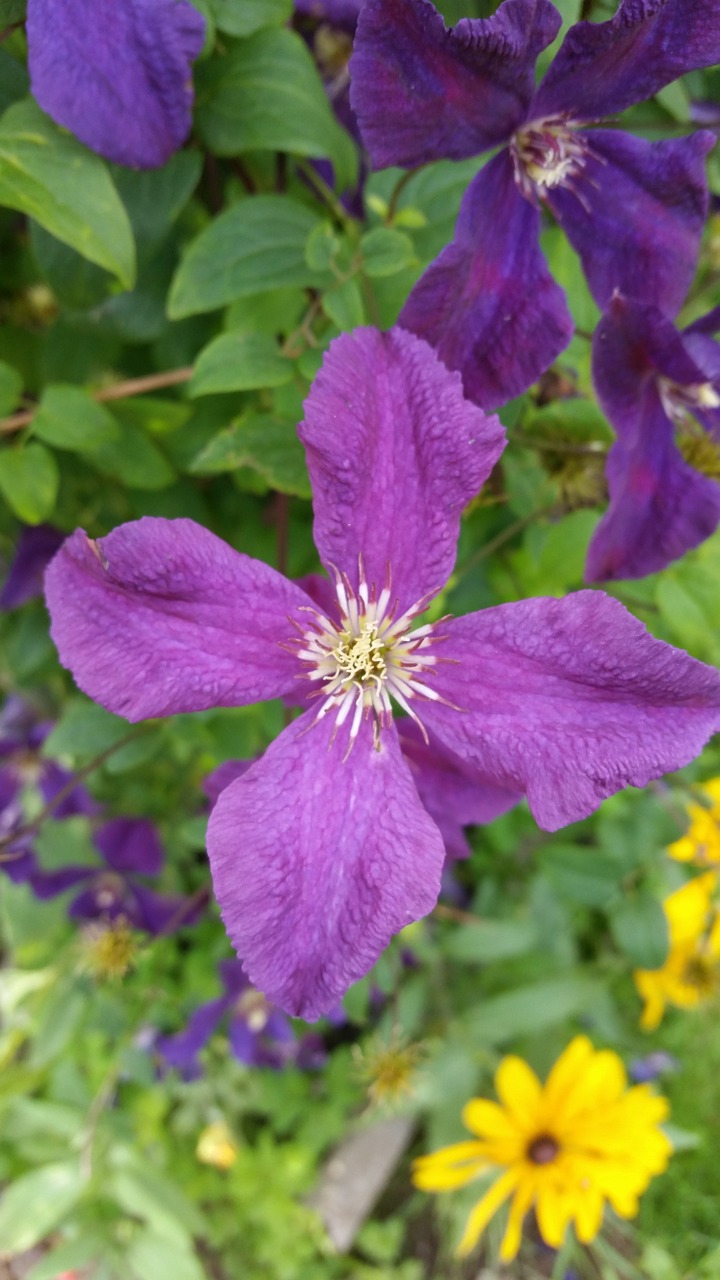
x,y
35,549
660,388
633,210
659,1063
131,850
117,74
259,1035
323,850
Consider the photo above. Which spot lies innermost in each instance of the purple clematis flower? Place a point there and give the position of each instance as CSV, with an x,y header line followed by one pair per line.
x,y
633,210
35,549
116,74
659,388
131,849
259,1035
322,849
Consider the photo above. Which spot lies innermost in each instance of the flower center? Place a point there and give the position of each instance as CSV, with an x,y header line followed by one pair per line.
x,y
368,656
543,1149
253,1008
678,401
547,153
699,975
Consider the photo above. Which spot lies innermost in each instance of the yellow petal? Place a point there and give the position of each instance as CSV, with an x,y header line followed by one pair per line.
x,y
519,1091
521,1202
448,1168
485,1208
565,1074
488,1120
554,1210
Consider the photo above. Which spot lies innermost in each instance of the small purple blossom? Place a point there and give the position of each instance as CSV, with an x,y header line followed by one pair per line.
x,y
259,1035
35,549
323,850
633,210
660,389
116,74
659,1063
131,850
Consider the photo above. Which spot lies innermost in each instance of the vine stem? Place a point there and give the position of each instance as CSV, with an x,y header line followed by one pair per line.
x,y
29,828
119,391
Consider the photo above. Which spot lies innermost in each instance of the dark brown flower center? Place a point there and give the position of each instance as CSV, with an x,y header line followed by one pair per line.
x,y
543,1149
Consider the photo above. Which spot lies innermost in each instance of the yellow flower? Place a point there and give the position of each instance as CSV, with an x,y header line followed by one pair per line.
x,y
215,1146
701,842
564,1148
691,972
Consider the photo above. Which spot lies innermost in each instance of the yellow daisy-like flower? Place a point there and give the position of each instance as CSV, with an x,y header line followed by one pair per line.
x,y
564,1148
701,842
691,972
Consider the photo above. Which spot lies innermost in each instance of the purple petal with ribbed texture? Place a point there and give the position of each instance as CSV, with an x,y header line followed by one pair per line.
x,y
131,844
181,1050
453,797
116,75
394,452
36,546
422,92
488,304
659,506
161,617
569,700
636,215
318,860
604,67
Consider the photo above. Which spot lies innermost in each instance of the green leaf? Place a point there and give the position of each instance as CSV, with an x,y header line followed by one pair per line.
x,y
266,95
323,243
12,11
48,175
243,17
239,362
69,418
257,245
83,730
528,1010
267,444
11,385
581,875
29,481
640,928
490,940
154,198
133,458
70,1256
385,252
150,1256
38,1202
344,305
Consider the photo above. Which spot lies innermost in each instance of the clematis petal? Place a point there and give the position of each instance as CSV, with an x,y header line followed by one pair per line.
x,y
452,797
318,859
636,214
160,913
161,617
659,506
130,844
604,67
116,75
36,546
488,304
422,92
181,1050
570,700
394,452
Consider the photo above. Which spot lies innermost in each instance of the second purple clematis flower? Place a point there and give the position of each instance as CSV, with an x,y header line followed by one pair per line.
x,y
117,74
660,389
633,210
322,849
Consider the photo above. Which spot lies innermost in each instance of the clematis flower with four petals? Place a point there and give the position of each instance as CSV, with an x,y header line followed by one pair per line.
x,y
660,389
117,75
322,849
633,210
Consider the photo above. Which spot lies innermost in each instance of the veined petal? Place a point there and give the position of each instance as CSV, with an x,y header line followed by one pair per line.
x,y
117,75
569,699
660,507
488,303
422,92
161,617
318,858
394,452
603,67
452,797
635,215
